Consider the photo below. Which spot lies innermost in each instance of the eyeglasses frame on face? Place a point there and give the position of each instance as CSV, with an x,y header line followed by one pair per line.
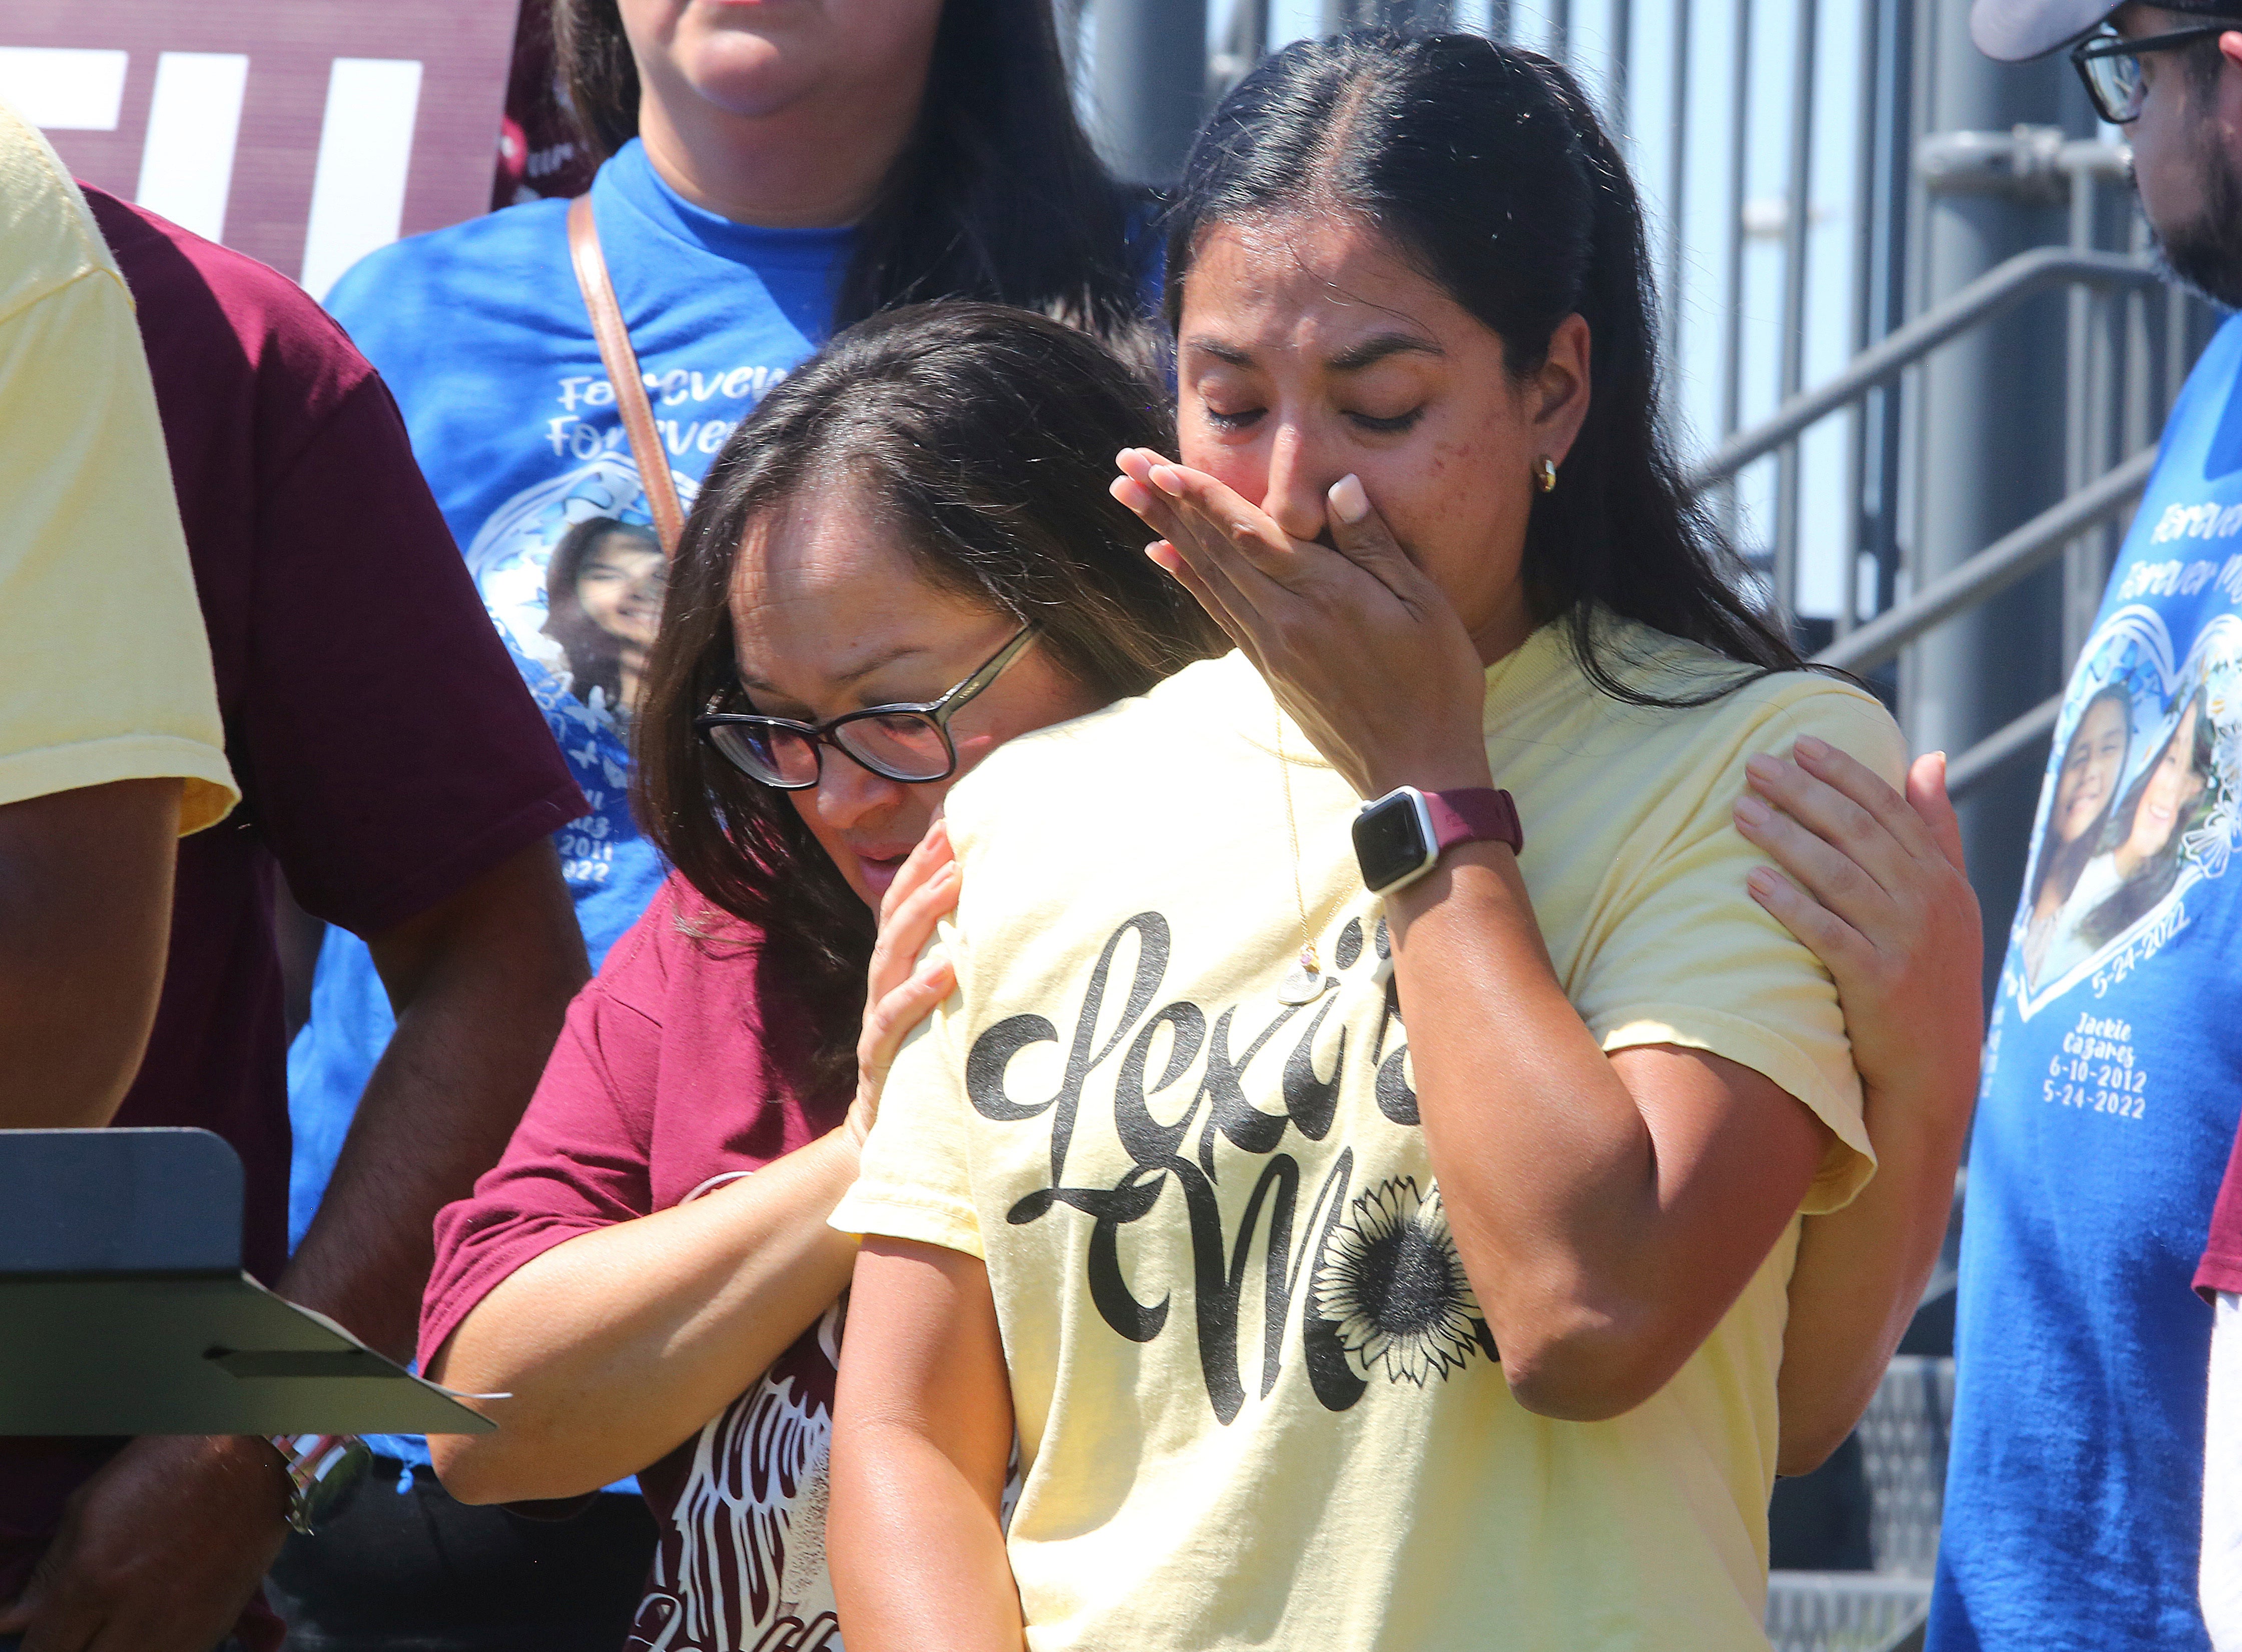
x,y
937,711
2096,48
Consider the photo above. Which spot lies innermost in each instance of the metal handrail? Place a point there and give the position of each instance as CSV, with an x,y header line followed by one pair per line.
x,y
1979,764
2011,558
1999,289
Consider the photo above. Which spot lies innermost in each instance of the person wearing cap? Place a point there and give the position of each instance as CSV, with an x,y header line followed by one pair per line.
x,y
2110,1099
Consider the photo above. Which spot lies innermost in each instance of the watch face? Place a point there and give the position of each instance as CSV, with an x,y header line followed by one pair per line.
x,y
1389,841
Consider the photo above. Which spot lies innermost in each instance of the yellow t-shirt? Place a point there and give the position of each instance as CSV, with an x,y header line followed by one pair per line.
x,y
1256,1404
108,670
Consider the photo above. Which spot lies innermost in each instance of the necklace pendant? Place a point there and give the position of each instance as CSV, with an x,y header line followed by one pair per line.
x,y
1304,982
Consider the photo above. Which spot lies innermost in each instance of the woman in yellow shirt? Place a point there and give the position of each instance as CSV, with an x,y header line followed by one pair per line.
x,y
1317,1328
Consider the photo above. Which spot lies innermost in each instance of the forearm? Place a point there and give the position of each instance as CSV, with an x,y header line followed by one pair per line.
x,y
621,1342
922,1433
916,1553
480,986
1473,978
1545,1162
1607,1210
436,1114
85,920
1858,1280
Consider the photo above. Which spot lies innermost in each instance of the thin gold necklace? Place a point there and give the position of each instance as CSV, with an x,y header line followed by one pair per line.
x,y
1305,982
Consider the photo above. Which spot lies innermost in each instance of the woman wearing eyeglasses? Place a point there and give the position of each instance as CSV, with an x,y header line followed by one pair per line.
x,y
905,557
769,174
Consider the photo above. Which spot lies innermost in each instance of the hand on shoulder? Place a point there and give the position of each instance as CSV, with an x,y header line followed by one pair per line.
x,y
1873,883
902,987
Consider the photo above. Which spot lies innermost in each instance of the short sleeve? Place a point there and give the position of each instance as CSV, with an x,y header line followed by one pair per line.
x,y
109,671
393,750
2221,1267
916,1178
1686,957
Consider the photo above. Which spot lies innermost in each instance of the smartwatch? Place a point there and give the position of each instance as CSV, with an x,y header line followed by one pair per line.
x,y
1401,836
321,1469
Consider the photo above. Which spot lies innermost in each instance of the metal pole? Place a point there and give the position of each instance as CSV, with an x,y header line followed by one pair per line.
x,y
1796,229
1858,519
1732,387
1419,17
1676,174
2177,356
2083,419
1622,56
1894,217
1150,85
1991,456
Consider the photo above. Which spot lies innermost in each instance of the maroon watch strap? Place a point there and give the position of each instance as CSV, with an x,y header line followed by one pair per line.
x,y
1473,815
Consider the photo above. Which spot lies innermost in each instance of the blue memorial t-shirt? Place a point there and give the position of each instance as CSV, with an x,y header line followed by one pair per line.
x,y
2112,1083
481,333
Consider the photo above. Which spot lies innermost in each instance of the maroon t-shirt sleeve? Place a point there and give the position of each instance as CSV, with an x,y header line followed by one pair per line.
x,y
372,648
580,1159
2221,1268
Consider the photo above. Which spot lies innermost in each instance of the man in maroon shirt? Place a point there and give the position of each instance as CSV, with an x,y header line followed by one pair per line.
x,y
396,773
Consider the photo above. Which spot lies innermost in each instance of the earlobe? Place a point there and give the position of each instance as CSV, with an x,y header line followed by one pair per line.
x,y
1565,386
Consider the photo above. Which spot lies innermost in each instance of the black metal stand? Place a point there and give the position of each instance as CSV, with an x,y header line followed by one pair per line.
x,y
123,1309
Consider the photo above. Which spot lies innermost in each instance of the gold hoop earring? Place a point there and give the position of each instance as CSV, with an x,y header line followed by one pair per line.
x,y
1546,474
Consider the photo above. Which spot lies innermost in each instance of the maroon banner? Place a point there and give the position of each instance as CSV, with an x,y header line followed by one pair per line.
x,y
303,132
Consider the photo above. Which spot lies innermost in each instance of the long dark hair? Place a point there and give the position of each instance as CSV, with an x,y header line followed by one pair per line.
x,y
2132,899
1486,165
997,196
594,658
2061,863
985,435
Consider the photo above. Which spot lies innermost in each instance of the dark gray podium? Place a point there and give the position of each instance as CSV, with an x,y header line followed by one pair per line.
x,y
123,1309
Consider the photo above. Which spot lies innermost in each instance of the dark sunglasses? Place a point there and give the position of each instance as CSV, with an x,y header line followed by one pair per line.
x,y
910,744
2110,66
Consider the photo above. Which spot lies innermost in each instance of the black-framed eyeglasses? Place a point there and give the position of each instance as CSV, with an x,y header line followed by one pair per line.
x,y
2110,66
910,742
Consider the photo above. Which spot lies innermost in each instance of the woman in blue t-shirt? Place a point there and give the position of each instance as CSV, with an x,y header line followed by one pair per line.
x,y
769,174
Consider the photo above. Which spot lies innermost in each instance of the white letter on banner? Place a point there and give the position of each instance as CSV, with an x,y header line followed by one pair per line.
x,y
63,89
366,151
186,164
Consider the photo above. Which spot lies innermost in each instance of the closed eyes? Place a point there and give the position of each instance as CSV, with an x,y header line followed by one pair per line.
x,y
1244,418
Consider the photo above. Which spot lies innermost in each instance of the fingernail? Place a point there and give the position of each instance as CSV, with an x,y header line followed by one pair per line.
x,y
1167,481
1348,502
1752,812
1809,747
1760,766
1760,882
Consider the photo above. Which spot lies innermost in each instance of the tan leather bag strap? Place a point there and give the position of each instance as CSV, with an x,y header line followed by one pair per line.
x,y
621,362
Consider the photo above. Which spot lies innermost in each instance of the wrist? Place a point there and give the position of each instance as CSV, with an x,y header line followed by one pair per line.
x,y
251,1463
317,1472
1448,771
